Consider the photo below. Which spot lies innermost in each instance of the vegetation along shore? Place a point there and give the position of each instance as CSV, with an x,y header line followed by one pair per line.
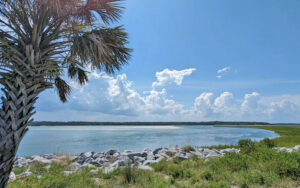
x,y
268,163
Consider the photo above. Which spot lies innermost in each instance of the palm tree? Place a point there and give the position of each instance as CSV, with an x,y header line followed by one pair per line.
x,y
40,41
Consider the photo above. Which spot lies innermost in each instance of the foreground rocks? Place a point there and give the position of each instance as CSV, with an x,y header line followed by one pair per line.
x,y
113,159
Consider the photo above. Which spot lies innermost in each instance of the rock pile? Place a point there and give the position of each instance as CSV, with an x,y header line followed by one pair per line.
x,y
113,159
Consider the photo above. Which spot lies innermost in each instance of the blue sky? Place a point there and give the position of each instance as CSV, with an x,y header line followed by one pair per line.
x,y
181,45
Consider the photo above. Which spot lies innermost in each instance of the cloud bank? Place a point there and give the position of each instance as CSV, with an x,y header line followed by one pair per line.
x,y
108,98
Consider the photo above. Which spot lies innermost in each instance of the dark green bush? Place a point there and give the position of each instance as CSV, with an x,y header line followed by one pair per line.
x,y
233,162
176,171
247,146
268,143
161,166
207,175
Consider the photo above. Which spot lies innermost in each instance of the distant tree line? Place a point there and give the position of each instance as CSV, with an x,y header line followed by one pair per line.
x,y
81,123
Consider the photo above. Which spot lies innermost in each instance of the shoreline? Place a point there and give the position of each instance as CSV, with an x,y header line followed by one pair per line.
x,y
112,160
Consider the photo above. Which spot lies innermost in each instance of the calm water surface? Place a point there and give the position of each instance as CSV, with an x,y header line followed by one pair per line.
x,y
77,139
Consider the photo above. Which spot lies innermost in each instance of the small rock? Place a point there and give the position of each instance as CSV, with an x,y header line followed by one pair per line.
x,y
20,162
148,162
197,154
148,154
40,159
25,174
39,177
143,167
133,154
138,159
12,177
47,167
122,161
75,166
48,156
117,154
98,155
67,173
212,154
94,172
108,169
296,148
230,150
87,154
183,155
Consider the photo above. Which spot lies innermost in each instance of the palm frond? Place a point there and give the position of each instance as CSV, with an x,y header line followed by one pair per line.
x,y
63,89
77,73
103,48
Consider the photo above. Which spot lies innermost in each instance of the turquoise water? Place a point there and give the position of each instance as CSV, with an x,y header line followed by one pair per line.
x,y
77,139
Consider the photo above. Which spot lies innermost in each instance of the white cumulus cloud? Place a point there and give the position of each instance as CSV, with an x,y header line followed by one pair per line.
x,y
222,71
171,76
225,69
250,104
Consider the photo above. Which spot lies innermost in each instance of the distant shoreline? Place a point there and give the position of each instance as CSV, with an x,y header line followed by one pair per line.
x,y
219,123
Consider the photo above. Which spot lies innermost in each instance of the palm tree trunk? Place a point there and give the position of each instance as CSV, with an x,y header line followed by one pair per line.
x,y
17,109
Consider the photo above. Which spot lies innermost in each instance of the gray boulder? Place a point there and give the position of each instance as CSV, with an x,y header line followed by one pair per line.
x,y
197,154
87,154
98,155
12,177
75,166
149,162
39,159
229,150
296,148
156,151
20,162
148,154
122,161
24,174
212,154
133,154
138,160
112,152
183,155
143,167
94,172
48,156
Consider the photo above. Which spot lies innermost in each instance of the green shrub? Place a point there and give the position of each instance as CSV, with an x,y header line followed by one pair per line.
x,y
288,165
268,143
161,166
176,171
207,175
246,146
233,162
130,174
19,170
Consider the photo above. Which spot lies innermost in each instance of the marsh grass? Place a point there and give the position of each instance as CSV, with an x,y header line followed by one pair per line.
x,y
289,135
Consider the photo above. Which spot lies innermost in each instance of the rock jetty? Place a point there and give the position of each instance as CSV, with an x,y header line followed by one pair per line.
x,y
113,159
